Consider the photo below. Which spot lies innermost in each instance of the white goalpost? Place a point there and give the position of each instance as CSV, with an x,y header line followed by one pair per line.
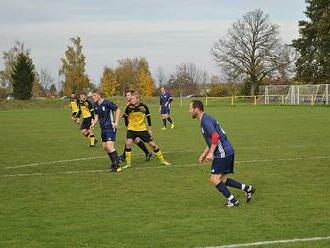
x,y
295,94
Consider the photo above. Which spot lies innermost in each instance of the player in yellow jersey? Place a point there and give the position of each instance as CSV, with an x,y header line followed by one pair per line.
x,y
137,140
86,110
74,107
135,117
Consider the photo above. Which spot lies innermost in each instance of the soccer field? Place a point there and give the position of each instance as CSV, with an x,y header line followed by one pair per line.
x,y
58,192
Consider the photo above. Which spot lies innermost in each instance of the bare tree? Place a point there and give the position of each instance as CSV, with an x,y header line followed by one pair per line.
x,y
161,77
251,48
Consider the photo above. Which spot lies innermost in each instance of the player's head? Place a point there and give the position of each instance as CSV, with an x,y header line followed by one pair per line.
x,y
135,98
82,95
129,94
196,108
73,95
162,90
97,94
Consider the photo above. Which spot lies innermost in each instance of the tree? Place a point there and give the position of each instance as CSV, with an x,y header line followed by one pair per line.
x,y
109,83
161,76
73,68
46,80
145,83
23,77
187,79
10,58
251,48
313,64
128,74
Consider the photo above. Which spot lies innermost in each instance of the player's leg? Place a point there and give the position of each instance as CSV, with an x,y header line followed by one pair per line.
x,y
164,118
92,138
169,118
218,181
108,144
230,182
143,147
157,152
128,151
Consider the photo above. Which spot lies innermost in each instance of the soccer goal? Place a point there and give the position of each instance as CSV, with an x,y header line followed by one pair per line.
x,y
295,94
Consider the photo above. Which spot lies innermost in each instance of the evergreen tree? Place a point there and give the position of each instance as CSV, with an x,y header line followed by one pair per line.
x,y
313,45
23,77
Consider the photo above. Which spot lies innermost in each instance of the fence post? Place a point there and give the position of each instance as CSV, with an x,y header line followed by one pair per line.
x,y
312,100
255,100
282,100
181,100
327,94
232,101
206,101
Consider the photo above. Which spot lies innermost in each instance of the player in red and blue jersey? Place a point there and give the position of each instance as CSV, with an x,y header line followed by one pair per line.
x,y
108,115
220,151
165,100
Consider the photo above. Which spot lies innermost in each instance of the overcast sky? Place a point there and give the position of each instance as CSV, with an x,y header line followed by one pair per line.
x,y
165,32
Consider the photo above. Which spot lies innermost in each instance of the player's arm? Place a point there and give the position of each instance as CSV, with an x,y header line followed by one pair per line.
x,y
203,155
214,143
125,116
95,120
118,117
91,109
170,99
148,115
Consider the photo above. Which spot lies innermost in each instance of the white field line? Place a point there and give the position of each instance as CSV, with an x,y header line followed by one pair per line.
x,y
158,167
271,242
100,157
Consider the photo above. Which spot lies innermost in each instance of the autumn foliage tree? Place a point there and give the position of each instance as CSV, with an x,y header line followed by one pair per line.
x,y
109,83
73,68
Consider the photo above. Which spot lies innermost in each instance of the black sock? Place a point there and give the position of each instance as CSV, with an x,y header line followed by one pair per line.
x,y
222,188
124,153
143,147
114,158
164,122
169,120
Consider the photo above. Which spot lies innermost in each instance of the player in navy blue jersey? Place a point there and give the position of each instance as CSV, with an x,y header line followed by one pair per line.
x,y
108,115
165,100
221,153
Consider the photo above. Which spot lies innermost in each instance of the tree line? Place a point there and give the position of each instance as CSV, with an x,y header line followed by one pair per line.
x,y
251,54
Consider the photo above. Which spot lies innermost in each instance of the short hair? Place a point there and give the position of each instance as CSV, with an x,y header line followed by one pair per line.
x,y
130,91
198,104
98,91
83,93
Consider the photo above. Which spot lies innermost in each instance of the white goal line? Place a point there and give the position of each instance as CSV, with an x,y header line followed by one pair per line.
x,y
158,166
285,241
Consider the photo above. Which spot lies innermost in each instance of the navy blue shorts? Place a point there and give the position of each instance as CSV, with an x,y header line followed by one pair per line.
x,y
165,110
108,135
223,165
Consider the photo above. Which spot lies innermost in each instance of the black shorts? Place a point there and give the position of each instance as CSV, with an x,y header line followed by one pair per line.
x,y
86,123
143,135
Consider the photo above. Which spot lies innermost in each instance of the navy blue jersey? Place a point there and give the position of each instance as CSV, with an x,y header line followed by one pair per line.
x,y
105,111
165,100
209,125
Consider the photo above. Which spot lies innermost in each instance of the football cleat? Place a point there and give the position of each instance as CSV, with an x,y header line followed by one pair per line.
x,y
172,126
164,162
231,204
116,169
148,156
249,194
126,166
164,128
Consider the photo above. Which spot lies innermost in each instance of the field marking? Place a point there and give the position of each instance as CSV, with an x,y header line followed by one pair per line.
x,y
100,157
157,167
271,242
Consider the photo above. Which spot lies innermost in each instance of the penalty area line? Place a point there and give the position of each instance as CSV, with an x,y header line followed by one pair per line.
x,y
259,243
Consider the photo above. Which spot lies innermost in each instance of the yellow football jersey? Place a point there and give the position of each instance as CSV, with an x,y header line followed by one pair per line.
x,y
86,108
135,115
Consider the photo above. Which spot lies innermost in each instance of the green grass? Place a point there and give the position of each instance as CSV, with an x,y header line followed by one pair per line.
x,y
284,151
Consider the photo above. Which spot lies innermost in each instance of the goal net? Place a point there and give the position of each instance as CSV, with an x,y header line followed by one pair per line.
x,y
295,94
